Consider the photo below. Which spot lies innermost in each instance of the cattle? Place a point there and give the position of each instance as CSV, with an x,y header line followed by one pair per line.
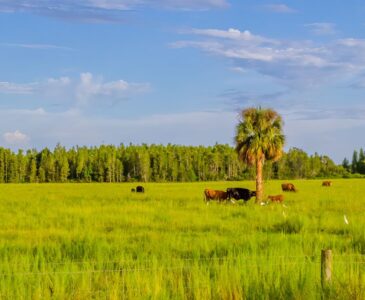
x,y
288,187
140,189
276,198
240,193
133,190
214,195
327,183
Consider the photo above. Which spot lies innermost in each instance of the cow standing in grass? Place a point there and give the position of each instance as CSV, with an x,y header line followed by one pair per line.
x,y
140,189
240,193
276,198
214,195
327,183
288,187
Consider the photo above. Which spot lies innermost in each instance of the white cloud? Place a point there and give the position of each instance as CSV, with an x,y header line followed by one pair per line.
x,y
16,138
233,34
238,70
110,4
188,4
175,4
83,90
322,28
25,112
62,81
90,88
246,52
279,8
293,63
37,46
16,88
350,42
101,10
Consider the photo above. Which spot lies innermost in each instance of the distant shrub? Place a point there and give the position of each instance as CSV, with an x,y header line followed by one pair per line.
x,y
288,226
358,242
337,231
355,175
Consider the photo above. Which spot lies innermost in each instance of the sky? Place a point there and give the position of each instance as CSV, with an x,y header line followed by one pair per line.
x,y
91,72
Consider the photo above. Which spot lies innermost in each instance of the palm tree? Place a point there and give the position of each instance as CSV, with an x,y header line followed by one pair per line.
x,y
259,137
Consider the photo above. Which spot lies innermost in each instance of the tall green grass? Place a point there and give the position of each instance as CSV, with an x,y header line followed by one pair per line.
x,y
100,241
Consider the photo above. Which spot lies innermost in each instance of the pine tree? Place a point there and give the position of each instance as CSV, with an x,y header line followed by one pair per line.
x,y
354,162
346,164
361,162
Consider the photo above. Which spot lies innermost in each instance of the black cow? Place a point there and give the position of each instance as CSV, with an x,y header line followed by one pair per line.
x,y
140,189
240,193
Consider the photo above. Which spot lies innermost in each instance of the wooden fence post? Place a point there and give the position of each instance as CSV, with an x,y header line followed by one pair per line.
x,y
326,267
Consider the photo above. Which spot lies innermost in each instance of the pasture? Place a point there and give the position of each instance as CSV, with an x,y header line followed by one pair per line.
x,y
100,241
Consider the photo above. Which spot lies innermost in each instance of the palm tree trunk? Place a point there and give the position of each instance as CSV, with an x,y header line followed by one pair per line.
x,y
259,186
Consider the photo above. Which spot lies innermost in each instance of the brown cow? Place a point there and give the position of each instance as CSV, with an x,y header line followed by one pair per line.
x,y
276,198
288,187
327,183
214,195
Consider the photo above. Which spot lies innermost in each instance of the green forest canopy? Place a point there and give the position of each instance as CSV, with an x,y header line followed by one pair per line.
x,y
162,163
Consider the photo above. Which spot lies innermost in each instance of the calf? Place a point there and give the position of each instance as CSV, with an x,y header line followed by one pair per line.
x,y
327,183
276,198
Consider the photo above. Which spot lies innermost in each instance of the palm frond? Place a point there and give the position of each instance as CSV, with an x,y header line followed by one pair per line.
x,y
259,135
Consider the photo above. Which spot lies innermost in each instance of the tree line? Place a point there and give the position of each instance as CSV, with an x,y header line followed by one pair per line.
x,y
357,165
160,163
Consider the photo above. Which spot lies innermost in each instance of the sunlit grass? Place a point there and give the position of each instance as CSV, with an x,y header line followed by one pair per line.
x,y
85,241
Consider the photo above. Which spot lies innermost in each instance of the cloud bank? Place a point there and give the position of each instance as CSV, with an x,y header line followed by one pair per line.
x,y
299,63
85,89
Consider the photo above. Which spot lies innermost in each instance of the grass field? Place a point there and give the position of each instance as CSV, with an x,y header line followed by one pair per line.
x,y
100,241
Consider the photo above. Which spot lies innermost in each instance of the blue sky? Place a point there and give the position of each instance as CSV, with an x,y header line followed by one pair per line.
x,y
86,72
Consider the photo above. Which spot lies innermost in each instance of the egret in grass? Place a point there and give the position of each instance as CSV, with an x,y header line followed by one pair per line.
x,y
346,220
